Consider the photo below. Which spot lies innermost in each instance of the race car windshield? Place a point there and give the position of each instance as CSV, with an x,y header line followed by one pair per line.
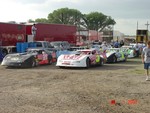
x,y
85,52
31,51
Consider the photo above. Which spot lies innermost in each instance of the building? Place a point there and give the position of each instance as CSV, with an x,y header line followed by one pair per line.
x,y
117,35
107,35
88,36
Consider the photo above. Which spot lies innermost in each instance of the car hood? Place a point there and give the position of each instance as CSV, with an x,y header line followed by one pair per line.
x,y
73,57
110,53
17,57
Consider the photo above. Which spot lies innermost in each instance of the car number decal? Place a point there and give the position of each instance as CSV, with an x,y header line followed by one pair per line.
x,y
97,58
72,57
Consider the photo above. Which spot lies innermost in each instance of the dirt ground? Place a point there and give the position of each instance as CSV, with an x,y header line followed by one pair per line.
x,y
112,88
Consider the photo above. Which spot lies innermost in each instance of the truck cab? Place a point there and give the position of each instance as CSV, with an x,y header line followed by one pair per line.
x,y
60,45
43,44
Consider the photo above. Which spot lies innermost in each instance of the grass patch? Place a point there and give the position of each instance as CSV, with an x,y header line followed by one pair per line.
x,y
138,71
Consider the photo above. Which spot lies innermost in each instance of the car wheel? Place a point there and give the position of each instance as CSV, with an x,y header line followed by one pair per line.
x,y
88,63
4,52
33,63
102,62
50,61
114,59
62,67
125,59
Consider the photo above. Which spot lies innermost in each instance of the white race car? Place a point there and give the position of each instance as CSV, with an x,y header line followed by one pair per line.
x,y
130,50
80,58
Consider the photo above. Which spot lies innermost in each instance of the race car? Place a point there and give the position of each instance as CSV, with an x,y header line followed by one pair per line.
x,y
80,58
116,55
130,50
33,57
1,54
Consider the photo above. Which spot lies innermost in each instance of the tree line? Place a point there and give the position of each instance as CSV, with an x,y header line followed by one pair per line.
x,y
92,21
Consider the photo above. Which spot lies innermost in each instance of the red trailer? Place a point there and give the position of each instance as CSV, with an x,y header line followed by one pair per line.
x,y
11,34
53,32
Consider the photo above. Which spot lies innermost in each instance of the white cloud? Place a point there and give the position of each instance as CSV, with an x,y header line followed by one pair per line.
x,y
16,12
73,1
129,26
125,12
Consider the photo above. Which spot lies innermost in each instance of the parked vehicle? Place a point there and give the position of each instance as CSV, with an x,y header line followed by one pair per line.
x,y
80,58
77,48
53,32
1,55
60,45
116,55
12,33
33,57
130,50
43,44
140,46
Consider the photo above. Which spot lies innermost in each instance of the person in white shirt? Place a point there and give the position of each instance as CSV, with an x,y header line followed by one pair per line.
x,y
33,31
146,59
104,46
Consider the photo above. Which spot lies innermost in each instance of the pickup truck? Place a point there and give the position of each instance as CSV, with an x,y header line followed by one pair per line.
x,y
43,44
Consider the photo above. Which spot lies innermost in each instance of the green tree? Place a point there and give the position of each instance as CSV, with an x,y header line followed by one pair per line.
x,y
97,21
41,20
92,21
65,16
31,21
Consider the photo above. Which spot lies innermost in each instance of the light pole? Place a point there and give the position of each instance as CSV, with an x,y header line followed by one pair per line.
x,y
147,31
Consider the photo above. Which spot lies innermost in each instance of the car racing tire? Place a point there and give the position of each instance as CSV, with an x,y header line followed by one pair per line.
x,y
50,61
88,63
33,63
125,58
61,67
101,62
4,52
114,59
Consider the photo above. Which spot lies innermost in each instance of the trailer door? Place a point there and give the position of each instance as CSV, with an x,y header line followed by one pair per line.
x,y
30,38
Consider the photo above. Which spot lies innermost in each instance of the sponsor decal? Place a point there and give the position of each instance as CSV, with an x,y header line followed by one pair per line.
x,y
72,57
13,36
97,58
20,37
66,63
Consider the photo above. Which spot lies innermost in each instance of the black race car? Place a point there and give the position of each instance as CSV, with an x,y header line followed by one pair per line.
x,y
33,57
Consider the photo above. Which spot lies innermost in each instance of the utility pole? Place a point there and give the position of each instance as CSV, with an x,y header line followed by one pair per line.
x,y
137,25
147,25
147,38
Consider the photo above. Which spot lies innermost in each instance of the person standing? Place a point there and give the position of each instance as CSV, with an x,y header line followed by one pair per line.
x,y
116,44
104,46
146,59
121,43
137,49
33,31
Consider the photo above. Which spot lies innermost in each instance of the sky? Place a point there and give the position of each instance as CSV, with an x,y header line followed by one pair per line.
x,y
129,15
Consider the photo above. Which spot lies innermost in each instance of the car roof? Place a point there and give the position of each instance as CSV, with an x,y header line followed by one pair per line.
x,y
126,46
92,49
36,48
